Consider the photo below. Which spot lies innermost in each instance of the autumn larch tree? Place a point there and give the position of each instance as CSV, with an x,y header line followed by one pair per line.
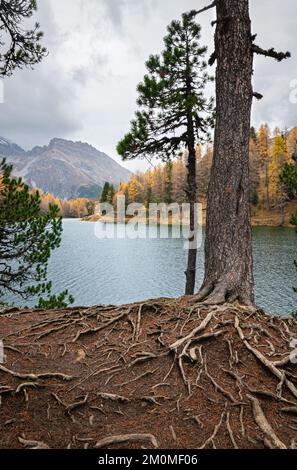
x,y
228,244
174,114
279,156
263,154
20,47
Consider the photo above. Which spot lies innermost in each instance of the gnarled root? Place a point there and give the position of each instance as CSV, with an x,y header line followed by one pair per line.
x,y
270,440
220,292
124,438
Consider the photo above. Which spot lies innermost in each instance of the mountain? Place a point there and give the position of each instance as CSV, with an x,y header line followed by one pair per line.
x,y
64,168
9,148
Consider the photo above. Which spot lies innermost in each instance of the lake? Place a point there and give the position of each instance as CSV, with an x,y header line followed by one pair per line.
x,y
105,271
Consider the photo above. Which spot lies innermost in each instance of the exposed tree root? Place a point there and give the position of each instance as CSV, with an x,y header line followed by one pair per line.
x,y
33,444
210,440
120,439
194,375
36,376
199,328
270,439
230,431
219,292
278,373
292,409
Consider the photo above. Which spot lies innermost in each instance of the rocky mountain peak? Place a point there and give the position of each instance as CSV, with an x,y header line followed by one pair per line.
x,y
64,168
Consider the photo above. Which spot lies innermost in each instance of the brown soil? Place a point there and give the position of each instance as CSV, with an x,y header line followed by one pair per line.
x,y
165,373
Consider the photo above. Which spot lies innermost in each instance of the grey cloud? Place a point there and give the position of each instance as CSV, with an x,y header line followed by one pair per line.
x,y
37,108
114,11
97,67
46,102
39,104
275,24
93,98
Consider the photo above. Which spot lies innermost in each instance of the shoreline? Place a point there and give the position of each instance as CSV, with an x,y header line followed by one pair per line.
x,y
256,222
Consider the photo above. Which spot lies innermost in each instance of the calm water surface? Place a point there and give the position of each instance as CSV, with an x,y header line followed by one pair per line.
x,y
120,271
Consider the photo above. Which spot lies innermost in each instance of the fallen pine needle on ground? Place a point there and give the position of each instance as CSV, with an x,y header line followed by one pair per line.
x,y
166,373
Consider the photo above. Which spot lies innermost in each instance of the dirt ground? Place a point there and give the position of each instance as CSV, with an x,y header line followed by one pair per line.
x,y
166,373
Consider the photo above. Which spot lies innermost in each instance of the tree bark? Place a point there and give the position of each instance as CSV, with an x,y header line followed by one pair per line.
x,y
228,244
191,192
192,250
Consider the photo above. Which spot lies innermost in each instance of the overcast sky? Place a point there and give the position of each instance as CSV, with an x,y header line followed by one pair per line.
x,y
85,89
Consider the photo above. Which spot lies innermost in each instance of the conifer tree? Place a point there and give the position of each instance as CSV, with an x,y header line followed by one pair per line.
x,y
263,153
20,47
228,239
27,239
104,193
111,194
173,111
168,182
288,177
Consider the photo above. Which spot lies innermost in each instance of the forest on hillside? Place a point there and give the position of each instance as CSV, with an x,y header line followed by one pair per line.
x,y
165,182
269,151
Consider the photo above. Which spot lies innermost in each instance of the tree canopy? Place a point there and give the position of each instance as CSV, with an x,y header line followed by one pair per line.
x,y
19,47
172,90
27,239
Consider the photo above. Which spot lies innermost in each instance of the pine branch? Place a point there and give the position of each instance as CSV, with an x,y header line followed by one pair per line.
x,y
212,58
279,56
212,5
258,96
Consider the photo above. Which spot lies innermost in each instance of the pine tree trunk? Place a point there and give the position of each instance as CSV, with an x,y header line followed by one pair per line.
x,y
228,244
192,194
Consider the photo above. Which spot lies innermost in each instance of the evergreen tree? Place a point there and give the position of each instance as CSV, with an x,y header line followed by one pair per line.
x,y
104,193
288,177
27,239
148,195
228,237
168,183
173,112
21,47
253,134
111,194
